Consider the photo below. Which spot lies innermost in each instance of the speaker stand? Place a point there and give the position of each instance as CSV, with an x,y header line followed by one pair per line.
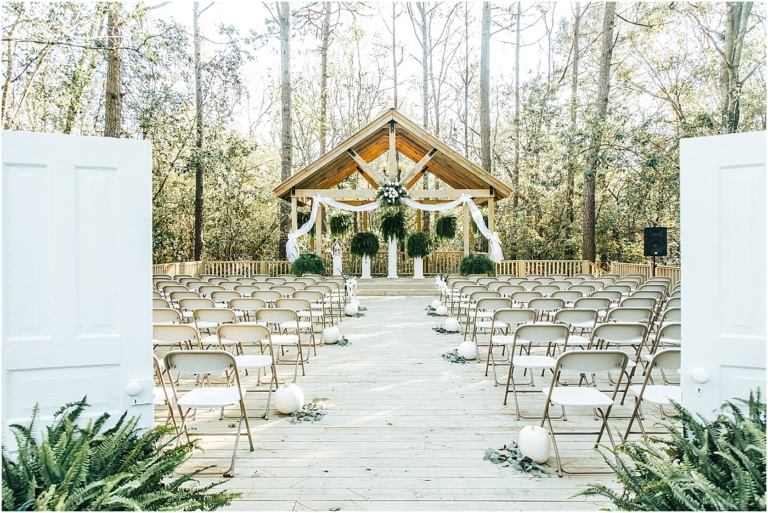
x,y
653,267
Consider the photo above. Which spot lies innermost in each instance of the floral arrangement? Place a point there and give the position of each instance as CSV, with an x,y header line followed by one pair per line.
x,y
391,193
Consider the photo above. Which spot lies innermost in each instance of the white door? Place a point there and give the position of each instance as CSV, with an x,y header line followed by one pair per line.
x,y
76,275
723,238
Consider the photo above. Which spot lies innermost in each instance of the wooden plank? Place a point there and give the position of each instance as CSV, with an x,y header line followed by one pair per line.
x,y
465,210
491,215
319,231
418,167
367,170
392,149
448,194
294,221
338,194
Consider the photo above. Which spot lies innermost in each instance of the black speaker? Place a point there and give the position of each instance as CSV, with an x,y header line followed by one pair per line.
x,y
655,241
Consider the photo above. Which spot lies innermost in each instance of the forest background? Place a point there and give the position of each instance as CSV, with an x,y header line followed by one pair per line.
x,y
563,102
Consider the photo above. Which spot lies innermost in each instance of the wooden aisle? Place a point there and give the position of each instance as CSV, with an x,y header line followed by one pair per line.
x,y
405,430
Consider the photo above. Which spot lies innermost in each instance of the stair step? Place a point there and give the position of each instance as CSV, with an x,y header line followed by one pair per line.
x,y
396,287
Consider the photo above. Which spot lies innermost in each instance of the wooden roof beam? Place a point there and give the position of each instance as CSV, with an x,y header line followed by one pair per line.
x,y
371,176
418,168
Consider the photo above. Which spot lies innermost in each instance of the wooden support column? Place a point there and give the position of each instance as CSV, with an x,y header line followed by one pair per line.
x,y
365,221
419,213
319,231
294,221
466,229
491,206
392,165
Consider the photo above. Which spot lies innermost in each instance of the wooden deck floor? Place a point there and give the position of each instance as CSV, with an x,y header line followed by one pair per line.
x,y
405,431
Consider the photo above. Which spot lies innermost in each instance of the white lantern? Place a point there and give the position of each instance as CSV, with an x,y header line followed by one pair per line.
x,y
534,443
289,398
441,310
468,350
331,335
451,325
350,310
436,303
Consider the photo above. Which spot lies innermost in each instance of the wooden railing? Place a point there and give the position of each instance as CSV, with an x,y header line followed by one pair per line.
x,y
441,262
622,269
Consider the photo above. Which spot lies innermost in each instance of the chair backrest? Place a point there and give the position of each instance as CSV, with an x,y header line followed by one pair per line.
x,y
222,296
585,289
159,284
276,280
514,316
508,290
207,277
246,281
193,303
630,314
533,276
165,315
560,284
676,293
529,284
172,333
546,304
638,302
589,362
167,289
181,294
674,302
493,303
287,276
247,304
671,314
244,333
229,285
284,290
186,279
195,285
504,277
670,333
515,280
586,276
325,289
485,280
576,315
525,296
655,294
624,288
155,294
217,315
466,290
260,277
568,295
215,280
246,290
657,287
212,361
234,277
542,333
294,303
306,280
480,294
276,315
613,295
666,360
619,332
206,290
162,277
268,296
574,280
495,284
558,276
546,290
314,296
593,303
606,279
158,302
475,277
599,285
545,280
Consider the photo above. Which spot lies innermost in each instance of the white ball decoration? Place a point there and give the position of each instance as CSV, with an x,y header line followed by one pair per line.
x,y
451,325
533,442
441,310
289,398
468,350
351,310
331,335
436,303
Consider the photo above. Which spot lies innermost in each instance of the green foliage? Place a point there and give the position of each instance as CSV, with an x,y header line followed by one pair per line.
x,y
364,244
477,264
393,224
419,245
308,263
74,468
701,465
340,224
445,227
301,218
310,412
475,229
510,456
453,356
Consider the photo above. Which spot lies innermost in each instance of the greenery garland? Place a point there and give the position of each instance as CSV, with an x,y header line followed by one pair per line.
x,y
393,224
445,227
391,194
364,244
419,245
340,224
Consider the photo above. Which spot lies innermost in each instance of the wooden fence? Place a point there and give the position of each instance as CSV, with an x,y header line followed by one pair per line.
x,y
622,269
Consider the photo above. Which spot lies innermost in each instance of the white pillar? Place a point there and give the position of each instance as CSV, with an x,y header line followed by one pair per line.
x,y
392,258
366,268
337,264
418,268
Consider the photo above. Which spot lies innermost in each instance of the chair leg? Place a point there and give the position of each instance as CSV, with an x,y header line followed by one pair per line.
x,y
554,441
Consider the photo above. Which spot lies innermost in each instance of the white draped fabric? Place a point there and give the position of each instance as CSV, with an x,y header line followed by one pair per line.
x,y
496,255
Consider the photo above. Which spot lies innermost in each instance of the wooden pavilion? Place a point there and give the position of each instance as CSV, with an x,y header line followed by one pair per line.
x,y
392,133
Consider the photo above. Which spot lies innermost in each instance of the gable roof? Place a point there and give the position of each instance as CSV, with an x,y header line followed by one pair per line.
x,y
411,140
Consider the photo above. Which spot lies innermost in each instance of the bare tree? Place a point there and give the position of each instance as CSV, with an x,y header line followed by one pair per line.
x,y
284,21
588,248
485,88
114,96
516,161
574,104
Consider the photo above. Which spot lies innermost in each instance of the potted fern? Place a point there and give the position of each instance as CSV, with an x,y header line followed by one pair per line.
x,y
393,229
418,246
365,245
308,263
445,228
477,264
340,224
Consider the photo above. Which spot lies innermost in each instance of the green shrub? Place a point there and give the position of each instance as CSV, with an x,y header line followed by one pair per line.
x,y
393,224
445,227
477,264
76,468
419,245
302,218
701,465
340,224
475,229
364,244
308,263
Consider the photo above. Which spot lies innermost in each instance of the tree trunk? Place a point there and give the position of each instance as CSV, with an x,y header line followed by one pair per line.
x,y
466,80
485,89
81,75
10,63
735,29
574,104
394,56
516,162
284,15
114,97
324,43
199,163
425,60
588,248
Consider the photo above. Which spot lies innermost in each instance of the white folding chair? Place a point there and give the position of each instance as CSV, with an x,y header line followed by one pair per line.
x,y
582,363
506,319
481,318
303,309
666,360
172,335
214,396
165,316
280,320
